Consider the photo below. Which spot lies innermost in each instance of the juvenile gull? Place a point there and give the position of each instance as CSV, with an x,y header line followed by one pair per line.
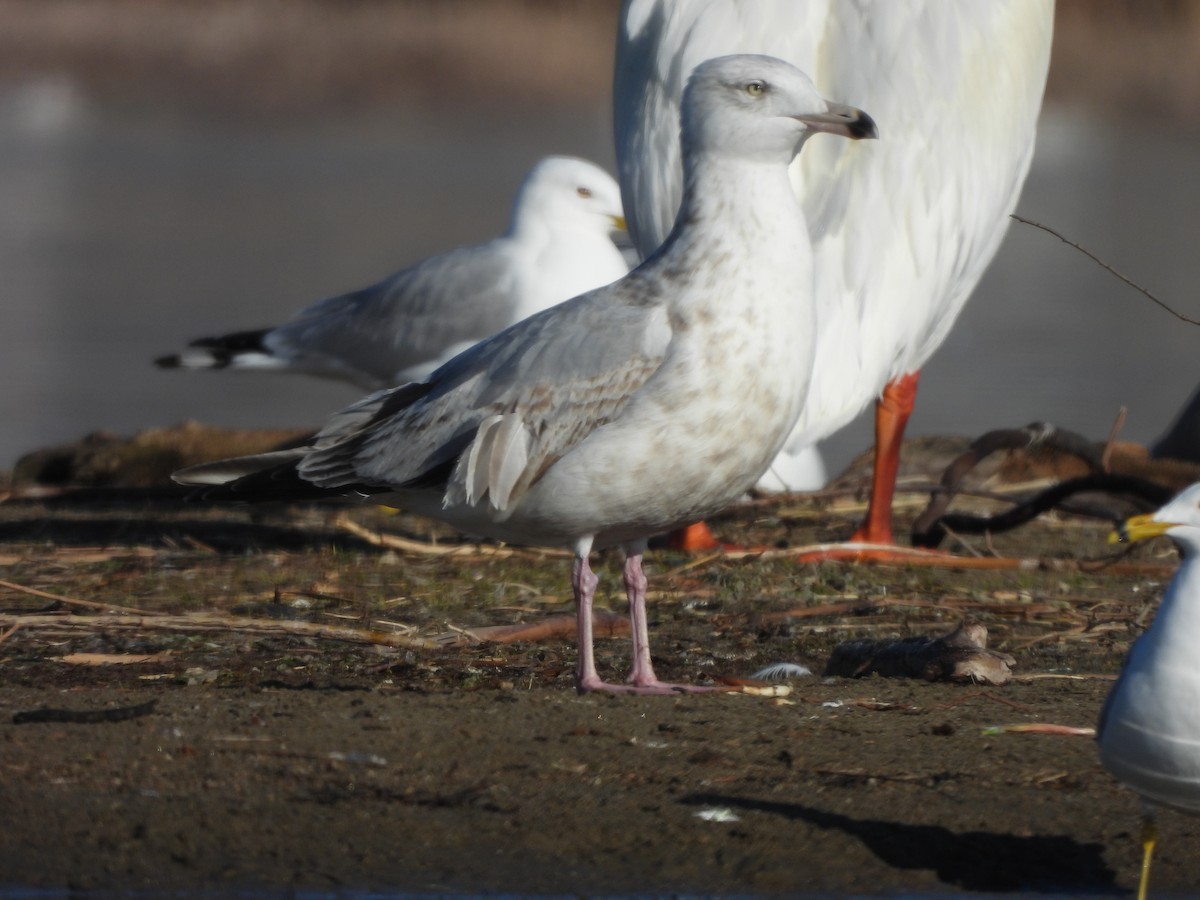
x,y
557,246
1149,730
902,229
554,431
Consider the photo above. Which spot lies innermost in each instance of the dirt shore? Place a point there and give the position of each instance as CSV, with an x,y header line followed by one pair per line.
x,y
325,717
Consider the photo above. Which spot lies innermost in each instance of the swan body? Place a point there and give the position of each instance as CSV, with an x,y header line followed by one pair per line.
x,y
903,227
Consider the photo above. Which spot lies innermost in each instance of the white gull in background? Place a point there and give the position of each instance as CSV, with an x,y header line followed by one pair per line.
x,y
557,245
1149,730
554,431
902,229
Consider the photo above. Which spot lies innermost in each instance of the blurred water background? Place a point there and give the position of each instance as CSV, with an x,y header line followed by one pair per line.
x,y
170,170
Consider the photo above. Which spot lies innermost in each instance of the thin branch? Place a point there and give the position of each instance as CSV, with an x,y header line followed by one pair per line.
x,y
405,545
204,622
73,601
1113,434
1112,271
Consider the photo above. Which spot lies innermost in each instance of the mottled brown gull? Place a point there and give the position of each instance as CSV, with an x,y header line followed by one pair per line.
x,y
628,410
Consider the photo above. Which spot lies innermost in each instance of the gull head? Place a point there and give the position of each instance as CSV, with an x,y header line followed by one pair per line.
x,y
760,107
1179,520
570,193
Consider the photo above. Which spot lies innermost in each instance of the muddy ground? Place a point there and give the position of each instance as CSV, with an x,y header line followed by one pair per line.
x,y
388,748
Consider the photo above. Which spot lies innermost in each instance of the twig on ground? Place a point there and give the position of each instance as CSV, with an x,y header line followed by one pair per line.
x,y
406,545
84,716
72,601
211,622
1113,434
1041,728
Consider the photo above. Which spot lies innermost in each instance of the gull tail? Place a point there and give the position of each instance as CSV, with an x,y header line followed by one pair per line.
x,y
239,350
227,471
263,477
260,477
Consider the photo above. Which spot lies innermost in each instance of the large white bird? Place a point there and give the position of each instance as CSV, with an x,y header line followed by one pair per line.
x,y
554,431
902,228
1149,731
557,245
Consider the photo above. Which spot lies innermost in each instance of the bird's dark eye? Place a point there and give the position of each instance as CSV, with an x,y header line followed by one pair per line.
x,y
756,88
583,192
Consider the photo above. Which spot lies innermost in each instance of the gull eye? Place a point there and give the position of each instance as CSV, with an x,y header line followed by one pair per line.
x,y
756,88
583,192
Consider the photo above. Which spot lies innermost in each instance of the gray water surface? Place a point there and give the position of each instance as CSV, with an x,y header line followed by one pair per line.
x,y
124,233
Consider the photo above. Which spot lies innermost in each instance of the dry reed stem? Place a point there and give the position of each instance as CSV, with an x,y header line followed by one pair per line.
x,y
73,601
211,622
422,548
114,659
604,624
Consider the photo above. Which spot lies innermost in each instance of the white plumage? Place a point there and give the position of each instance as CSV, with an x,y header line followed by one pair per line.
x,y
903,227
557,245
628,410
1149,731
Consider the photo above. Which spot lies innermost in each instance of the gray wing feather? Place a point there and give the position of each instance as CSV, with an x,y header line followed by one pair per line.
x,y
407,320
493,419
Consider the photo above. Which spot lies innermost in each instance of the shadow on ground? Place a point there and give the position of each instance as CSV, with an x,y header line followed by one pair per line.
x,y
972,860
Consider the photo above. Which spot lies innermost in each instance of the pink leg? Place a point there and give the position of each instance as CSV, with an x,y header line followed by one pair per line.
x,y
642,679
583,582
642,672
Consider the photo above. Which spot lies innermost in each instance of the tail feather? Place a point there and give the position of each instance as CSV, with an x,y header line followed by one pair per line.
x,y
239,349
269,476
227,471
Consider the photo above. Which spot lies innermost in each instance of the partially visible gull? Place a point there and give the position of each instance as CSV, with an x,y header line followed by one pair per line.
x,y
902,229
557,245
1149,730
555,431
1182,439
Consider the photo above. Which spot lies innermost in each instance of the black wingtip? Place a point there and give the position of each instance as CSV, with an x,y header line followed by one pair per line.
x,y
234,342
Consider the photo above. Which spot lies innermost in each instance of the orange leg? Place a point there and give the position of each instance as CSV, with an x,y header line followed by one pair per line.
x,y
891,416
695,538
892,411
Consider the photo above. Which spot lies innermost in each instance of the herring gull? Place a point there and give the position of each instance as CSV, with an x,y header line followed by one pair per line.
x,y
1149,730
902,229
554,431
557,245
